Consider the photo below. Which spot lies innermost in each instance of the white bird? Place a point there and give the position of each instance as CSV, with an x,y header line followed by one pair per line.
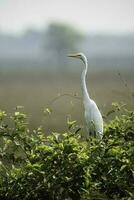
x,y
93,117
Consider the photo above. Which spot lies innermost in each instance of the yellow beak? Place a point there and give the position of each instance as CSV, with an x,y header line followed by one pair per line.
x,y
73,55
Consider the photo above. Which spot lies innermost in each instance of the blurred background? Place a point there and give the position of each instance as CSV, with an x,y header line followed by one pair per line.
x,y
36,36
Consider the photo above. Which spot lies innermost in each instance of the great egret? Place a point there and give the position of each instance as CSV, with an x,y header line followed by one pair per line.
x,y
93,116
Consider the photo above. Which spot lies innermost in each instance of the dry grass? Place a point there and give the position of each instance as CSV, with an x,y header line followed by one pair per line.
x,y
36,89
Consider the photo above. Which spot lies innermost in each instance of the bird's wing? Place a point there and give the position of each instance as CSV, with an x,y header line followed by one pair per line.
x,y
94,119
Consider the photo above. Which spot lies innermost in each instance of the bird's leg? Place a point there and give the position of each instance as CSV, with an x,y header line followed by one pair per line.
x,y
93,128
88,133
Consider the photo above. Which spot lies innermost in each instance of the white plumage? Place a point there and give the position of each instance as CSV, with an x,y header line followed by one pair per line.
x,y
93,116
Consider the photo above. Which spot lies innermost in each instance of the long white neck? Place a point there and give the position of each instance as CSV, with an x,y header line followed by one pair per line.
x,y
84,87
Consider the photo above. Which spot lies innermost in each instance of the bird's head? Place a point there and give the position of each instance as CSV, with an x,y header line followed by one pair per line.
x,y
80,56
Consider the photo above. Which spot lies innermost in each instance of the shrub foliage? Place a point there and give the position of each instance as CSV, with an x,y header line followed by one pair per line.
x,y
64,166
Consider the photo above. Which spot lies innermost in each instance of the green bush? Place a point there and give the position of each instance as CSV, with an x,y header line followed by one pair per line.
x,y
64,166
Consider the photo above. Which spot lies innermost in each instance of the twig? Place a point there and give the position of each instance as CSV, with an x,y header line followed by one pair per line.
x,y
62,95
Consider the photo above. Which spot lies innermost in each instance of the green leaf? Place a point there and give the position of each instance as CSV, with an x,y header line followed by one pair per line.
x,y
123,167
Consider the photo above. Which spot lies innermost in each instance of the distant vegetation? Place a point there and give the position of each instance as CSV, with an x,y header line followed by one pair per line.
x,y
61,166
51,45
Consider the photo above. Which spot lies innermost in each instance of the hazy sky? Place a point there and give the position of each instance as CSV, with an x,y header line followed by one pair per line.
x,y
116,16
